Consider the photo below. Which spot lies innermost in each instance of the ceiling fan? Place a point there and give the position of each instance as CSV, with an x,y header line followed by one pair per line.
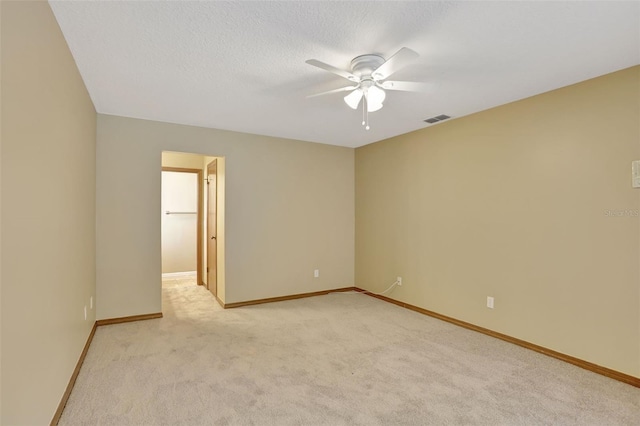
x,y
369,74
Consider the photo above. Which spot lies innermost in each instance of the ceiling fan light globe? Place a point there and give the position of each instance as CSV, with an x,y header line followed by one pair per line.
x,y
373,107
376,95
353,99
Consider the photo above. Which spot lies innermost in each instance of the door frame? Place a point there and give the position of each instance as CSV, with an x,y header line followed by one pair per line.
x,y
200,220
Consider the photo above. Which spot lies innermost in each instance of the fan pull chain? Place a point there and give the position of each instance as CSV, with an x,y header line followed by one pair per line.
x,y
365,122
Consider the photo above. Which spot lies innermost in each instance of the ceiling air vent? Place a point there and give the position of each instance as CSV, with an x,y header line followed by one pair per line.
x,y
437,118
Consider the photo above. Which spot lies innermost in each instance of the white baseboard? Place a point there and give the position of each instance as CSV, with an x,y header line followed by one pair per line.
x,y
179,274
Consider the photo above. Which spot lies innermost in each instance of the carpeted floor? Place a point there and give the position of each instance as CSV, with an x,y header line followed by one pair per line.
x,y
179,281
340,359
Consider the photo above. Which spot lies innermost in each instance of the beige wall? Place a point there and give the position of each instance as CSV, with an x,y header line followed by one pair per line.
x,y
0,216
184,160
289,210
512,203
48,213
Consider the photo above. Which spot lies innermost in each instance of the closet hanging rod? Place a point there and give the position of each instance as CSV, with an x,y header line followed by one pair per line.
x,y
168,212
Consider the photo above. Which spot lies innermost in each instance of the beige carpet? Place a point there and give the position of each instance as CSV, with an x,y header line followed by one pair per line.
x,y
178,281
340,359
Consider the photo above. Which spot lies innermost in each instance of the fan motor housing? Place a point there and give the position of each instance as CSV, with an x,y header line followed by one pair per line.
x,y
364,65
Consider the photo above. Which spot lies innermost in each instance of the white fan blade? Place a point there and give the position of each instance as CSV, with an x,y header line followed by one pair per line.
x,y
332,69
406,86
353,99
402,58
342,89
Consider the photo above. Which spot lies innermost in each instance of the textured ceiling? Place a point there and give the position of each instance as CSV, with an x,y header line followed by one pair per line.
x,y
241,65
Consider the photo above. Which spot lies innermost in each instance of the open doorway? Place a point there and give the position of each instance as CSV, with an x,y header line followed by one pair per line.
x,y
192,233
181,242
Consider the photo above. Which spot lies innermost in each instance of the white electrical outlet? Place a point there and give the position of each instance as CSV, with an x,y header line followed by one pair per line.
x,y
489,302
85,312
635,174
91,302
316,273
399,280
